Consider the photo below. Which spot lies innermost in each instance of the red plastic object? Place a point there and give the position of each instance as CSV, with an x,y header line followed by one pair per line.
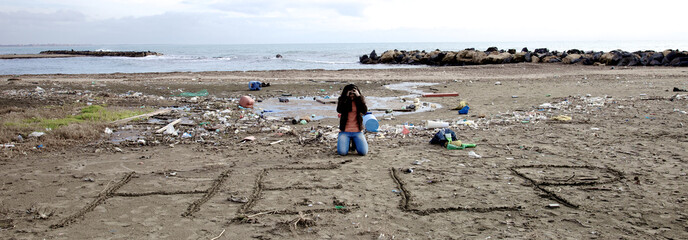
x,y
440,94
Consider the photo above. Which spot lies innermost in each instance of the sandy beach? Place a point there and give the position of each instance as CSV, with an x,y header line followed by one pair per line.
x,y
616,169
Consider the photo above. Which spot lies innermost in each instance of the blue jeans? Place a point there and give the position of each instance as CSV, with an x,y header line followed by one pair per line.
x,y
343,141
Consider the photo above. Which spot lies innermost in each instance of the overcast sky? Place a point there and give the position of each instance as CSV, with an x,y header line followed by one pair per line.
x,y
338,21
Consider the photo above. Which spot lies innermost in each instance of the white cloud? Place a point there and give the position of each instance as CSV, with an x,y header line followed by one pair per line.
x,y
275,21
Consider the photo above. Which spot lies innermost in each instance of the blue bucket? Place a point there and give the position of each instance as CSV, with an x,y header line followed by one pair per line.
x,y
254,85
370,122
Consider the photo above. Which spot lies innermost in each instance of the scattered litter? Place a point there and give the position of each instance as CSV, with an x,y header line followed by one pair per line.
x,y
36,134
436,124
553,205
237,199
276,142
421,161
472,154
186,135
246,102
118,149
201,93
440,95
498,83
141,142
248,139
171,131
562,118
108,131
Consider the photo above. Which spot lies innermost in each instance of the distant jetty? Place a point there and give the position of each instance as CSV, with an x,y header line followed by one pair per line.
x,y
72,53
493,55
103,53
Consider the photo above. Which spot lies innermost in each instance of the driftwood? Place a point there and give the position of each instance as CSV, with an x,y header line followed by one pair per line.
x,y
168,126
126,120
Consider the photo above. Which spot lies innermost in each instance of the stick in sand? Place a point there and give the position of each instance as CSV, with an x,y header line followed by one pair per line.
x,y
218,236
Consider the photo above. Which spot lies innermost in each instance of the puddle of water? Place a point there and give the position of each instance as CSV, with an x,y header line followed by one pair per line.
x,y
411,87
307,106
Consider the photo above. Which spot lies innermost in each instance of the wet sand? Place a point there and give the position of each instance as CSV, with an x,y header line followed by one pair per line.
x,y
617,169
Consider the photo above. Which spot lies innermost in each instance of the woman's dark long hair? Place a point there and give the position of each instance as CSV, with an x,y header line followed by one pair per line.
x,y
344,96
344,106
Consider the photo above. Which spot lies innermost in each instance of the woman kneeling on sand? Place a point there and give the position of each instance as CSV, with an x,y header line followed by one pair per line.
x,y
351,105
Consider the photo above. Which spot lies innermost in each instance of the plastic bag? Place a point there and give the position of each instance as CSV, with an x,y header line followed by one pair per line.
x,y
440,139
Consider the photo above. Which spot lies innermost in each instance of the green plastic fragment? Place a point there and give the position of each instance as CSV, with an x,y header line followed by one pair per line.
x,y
201,93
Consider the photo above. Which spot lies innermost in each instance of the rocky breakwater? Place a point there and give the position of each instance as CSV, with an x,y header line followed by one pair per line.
x,y
493,55
103,53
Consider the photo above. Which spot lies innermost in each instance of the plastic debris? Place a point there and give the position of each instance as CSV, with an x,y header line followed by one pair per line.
x,y
36,134
201,93
108,131
472,154
562,118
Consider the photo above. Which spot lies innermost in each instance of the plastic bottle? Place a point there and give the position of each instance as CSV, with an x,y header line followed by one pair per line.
x,y
455,147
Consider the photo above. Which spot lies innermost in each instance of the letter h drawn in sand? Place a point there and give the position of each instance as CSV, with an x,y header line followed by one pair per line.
x,y
112,191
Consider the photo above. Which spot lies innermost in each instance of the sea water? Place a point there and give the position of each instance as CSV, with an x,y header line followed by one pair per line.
x,y
254,57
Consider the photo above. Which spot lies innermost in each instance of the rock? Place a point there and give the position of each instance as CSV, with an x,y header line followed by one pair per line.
x,y
657,56
587,61
679,62
541,51
436,57
278,56
525,49
364,59
449,58
519,57
574,51
491,49
387,57
611,58
469,57
495,58
373,56
551,59
655,63
399,55
512,51
528,57
571,59
535,59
